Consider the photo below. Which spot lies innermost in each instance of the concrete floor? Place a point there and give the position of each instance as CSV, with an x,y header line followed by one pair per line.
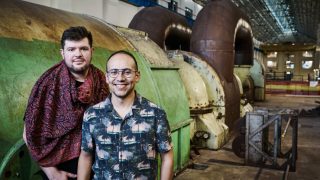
x,y
223,164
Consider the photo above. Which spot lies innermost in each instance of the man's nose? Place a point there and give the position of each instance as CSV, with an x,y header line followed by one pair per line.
x,y
78,52
120,75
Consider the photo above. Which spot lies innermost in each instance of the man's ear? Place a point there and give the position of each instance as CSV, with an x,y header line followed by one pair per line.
x,y
91,50
137,76
62,53
107,80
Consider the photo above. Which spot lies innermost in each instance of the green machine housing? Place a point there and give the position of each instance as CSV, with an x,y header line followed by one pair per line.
x,y
29,45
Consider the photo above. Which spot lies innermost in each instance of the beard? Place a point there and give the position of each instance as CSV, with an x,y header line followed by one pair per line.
x,y
82,70
79,70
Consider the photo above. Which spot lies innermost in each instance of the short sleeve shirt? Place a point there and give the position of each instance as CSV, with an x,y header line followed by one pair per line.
x,y
126,148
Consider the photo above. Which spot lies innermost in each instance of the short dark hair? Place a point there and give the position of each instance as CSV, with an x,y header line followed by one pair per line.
x,y
122,52
76,34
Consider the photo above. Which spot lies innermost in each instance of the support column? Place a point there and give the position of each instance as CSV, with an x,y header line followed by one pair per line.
x,y
317,55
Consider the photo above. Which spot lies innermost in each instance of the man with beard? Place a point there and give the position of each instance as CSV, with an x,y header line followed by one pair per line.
x,y
125,132
54,114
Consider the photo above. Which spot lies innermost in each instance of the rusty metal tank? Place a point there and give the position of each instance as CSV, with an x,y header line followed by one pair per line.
x,y
257,72
258,76
245,105
222,41
206,100
222,36
29,45
243,72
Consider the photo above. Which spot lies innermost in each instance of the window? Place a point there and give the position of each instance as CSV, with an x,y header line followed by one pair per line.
x,y
173,5
188,12
271,64
306,64
307,54
289,64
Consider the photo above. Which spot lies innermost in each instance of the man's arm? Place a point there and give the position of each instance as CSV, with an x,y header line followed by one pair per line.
x,y
84,165
51,172
167,165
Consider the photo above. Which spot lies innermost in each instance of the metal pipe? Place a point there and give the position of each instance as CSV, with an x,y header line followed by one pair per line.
x,y
167,29
219,31
275,140
285,130
294,143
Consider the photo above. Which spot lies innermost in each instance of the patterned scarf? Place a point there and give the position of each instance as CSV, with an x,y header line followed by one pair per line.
x,y
53,118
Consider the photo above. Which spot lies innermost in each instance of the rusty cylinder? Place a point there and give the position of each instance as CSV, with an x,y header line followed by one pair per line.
x,y
167,29
214,37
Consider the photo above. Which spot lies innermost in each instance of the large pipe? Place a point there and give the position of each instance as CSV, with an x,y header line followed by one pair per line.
x,y
220,31
169,30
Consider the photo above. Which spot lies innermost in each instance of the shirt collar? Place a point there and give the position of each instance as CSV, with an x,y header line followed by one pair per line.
x,y
136,103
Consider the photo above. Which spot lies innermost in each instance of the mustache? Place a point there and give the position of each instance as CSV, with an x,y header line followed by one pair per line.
x,y
120,83
78,58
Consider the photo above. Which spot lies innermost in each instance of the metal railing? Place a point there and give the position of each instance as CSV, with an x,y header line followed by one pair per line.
x,y
150,3
283,76
266,150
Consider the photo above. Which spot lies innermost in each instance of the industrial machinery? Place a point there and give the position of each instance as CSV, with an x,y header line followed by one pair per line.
x,y
206,100
220,45
197,89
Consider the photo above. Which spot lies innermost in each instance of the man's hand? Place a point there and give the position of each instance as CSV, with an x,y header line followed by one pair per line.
x,y
54,174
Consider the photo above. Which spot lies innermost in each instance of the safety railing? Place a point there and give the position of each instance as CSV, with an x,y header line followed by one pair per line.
x,y
283,76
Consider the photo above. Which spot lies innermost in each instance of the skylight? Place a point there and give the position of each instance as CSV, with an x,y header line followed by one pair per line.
x,y
280,11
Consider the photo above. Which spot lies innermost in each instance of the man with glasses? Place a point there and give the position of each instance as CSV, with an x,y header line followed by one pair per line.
x,y
54,114
126,131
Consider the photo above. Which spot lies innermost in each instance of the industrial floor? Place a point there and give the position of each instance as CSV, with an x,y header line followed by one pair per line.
x,y
223,164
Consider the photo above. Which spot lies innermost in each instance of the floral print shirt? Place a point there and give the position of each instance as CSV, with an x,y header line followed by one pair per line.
x,y
126,148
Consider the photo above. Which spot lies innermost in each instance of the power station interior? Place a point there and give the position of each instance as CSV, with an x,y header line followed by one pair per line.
x,y
238,79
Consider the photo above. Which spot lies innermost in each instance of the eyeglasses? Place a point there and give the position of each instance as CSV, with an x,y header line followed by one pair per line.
x,y
128,73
